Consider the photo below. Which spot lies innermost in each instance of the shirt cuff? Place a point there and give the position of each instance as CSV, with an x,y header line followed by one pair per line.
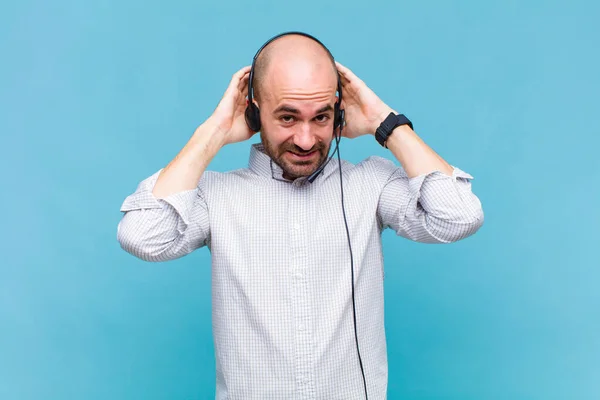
x,y
458,173
415,184
183,203
143,198
448,198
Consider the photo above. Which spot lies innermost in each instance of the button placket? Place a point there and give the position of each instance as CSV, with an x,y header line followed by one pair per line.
x,y
299,272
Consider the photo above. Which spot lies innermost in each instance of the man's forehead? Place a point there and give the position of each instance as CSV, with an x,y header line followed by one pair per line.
x,y
301,82
308,96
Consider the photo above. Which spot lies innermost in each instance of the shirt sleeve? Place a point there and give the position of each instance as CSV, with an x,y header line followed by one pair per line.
x,y
163,229
430,208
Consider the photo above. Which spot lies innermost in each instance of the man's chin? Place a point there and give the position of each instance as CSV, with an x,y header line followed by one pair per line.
x,y
294,171
295,167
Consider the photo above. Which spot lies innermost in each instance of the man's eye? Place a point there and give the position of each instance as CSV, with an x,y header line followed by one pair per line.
x,y
287,118
322,118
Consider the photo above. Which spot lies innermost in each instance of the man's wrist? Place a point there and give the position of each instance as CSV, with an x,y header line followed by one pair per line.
x,y
212,128
389,125
396,135
381,115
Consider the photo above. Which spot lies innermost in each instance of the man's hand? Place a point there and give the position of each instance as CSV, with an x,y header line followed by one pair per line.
x,y
229,114
227,124
364,110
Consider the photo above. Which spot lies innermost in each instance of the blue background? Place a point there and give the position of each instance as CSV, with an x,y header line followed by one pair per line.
x,y
97,95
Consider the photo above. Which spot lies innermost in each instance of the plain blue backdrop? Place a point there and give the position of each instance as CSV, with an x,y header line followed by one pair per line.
x,y
97,95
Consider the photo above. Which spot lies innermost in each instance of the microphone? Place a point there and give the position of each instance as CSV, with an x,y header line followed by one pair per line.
x,y
314,175
337,139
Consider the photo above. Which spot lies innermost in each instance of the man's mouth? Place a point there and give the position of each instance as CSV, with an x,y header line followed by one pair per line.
x,y
303,156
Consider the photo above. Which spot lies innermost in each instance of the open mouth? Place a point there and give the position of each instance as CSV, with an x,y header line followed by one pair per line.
x,y
303,157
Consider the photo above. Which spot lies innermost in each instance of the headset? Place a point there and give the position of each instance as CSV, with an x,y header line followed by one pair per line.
x,y
252,115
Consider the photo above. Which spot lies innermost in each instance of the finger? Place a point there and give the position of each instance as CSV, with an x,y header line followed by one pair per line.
x,y
346,74
245,90
243,71
345,80
343,70
243,83
346,85
235,79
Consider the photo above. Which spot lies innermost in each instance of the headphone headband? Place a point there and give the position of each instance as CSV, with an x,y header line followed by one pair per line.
x,y
250,80
291,33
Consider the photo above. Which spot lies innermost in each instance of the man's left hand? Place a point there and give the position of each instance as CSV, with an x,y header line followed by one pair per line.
x,y
364,110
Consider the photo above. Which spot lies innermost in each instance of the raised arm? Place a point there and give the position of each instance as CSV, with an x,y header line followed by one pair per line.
x,y
427,200
167,217
225,125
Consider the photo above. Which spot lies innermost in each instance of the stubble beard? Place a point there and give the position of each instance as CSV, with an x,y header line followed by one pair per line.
x,y
295,169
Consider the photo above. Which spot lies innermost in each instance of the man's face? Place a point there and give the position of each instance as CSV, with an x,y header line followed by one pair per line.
x,y
296,109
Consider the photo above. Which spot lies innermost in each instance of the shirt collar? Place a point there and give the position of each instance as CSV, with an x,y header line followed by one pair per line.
x,y
261,164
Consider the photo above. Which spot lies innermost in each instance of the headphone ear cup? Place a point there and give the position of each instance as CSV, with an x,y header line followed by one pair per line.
x,y
252,115
338,116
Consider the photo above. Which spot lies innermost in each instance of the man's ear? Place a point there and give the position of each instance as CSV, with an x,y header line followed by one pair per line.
x,y
253,101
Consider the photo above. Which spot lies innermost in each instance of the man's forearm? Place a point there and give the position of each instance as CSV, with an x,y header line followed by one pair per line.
x,y
185,170
416,157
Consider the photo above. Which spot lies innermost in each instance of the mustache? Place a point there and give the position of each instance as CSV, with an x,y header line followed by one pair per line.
x,y
288,146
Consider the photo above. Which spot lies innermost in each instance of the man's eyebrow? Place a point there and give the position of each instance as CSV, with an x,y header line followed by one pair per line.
x,y
324,109
286,108
292,110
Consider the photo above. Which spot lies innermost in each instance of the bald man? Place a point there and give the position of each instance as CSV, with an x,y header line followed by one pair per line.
x,y
297,280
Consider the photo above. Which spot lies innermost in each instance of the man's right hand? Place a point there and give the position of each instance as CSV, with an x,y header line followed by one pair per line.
x,y
229,114
226,125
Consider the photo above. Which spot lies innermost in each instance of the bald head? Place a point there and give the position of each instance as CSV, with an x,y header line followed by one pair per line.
x,y
288,55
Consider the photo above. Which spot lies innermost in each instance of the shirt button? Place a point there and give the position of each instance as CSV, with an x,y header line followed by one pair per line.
x,y
301,327
299,275
297,227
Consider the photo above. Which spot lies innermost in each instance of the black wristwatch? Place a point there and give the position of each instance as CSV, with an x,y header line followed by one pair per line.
x,y
388,125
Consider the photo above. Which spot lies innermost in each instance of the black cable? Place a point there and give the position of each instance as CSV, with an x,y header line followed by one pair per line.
x,y
351,265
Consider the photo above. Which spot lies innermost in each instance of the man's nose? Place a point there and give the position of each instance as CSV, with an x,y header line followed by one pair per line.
x,y
304,138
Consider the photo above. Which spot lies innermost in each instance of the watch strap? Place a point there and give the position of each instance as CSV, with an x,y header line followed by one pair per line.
x,y
391,122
